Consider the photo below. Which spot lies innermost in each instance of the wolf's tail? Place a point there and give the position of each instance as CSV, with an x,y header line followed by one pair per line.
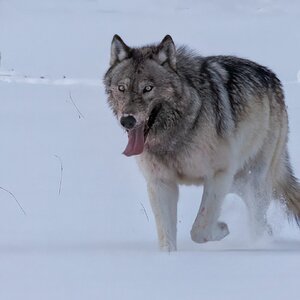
x,y
288,190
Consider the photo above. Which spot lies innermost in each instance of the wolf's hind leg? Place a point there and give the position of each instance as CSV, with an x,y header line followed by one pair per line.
x,y
206,226
257,200
164,197
255,190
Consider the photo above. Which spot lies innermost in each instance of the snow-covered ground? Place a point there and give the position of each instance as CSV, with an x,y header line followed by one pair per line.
x,y
88,232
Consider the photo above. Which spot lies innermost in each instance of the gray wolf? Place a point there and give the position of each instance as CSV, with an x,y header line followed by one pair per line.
x,y
220,121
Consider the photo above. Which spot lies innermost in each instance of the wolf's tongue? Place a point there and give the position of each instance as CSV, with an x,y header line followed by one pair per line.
x,y
136,141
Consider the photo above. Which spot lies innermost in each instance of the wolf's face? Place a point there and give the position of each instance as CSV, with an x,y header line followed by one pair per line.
x,y
142,87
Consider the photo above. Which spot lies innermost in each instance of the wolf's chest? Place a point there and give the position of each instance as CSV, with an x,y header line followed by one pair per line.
x,y
186,168
192,168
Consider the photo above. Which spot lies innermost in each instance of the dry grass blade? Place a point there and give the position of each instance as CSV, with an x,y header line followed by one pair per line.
x,y
61,173
80,115
10,193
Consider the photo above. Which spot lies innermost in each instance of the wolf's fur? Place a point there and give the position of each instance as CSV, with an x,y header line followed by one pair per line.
x,y
221,122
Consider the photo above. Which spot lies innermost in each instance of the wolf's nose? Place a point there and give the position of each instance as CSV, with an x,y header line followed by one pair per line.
x,y
128,122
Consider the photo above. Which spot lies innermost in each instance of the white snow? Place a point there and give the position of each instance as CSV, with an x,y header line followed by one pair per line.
x,y
88,232
14,78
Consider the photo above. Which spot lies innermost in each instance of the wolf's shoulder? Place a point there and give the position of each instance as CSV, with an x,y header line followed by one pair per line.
x,y
239,69
223,64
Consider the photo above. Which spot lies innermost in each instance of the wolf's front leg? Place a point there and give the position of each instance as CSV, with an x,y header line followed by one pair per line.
x,y
206,226
164,197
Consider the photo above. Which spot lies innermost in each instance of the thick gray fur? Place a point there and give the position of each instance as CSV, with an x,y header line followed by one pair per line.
x,y
222,122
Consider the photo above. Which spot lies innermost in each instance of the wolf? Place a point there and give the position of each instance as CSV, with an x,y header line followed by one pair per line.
x,y
216,121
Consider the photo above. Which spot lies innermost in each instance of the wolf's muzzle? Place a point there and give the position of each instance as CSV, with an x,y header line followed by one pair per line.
x,y
128,122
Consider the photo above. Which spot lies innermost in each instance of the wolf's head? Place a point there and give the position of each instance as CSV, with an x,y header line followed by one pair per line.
x,y
143,90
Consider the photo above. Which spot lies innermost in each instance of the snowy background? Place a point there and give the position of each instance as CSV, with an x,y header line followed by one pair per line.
x,y
88,232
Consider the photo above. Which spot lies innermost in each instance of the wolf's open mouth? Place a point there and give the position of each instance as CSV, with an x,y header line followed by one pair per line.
x,y
137,136
151,119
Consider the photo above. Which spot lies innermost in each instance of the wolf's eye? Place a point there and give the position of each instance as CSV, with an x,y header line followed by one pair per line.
x,y
147,89
121,88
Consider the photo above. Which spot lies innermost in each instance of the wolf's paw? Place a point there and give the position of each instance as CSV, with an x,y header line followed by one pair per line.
x,y
168,247
214,233
261,229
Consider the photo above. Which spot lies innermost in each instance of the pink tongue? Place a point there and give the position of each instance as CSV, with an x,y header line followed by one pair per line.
x,y
136,141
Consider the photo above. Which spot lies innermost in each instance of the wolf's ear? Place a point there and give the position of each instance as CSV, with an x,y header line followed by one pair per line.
x,y
119,50
167,52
